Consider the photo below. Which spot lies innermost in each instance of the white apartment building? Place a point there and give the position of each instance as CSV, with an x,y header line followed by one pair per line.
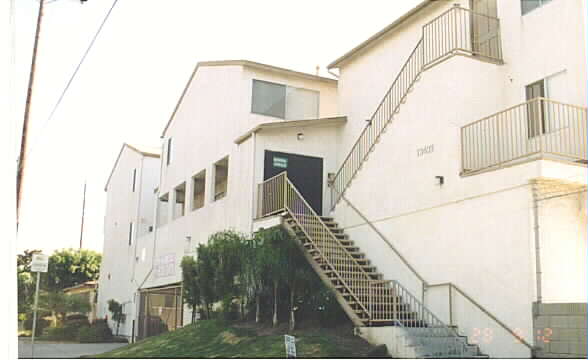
x,y
439,186
128,230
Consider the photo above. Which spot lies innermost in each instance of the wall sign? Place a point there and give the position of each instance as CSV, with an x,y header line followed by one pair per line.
x,y
429,149
280,162
165,265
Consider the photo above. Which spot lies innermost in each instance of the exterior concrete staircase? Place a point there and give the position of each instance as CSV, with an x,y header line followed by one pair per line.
x,y
458,31
367,298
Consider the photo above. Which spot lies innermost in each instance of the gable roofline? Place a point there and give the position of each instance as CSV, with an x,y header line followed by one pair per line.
x,y
145,153
244,63
330,121
380,34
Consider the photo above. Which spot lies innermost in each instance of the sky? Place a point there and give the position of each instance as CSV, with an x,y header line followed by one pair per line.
x,y
127,88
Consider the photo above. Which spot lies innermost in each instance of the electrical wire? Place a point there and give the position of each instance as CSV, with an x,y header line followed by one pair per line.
x,y
71,79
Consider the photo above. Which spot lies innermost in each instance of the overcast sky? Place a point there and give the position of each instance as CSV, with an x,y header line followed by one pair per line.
x,y
133,77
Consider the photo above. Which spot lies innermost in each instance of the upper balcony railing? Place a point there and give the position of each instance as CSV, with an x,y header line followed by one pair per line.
x,y
457,31
538,128
464,32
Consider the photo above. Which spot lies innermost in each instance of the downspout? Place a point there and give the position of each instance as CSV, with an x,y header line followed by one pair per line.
x,y
155,223
138,220
538,272
253,182
138,217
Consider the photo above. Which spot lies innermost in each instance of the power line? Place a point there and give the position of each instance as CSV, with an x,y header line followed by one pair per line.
x,y
63,93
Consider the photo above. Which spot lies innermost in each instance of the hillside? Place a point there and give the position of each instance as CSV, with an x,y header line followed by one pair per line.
x,y
217,339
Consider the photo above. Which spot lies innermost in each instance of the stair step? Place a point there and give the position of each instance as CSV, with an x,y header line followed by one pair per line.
x,y
343,273
351,248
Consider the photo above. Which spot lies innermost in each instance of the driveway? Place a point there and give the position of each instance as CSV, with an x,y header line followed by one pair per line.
x,y
44,350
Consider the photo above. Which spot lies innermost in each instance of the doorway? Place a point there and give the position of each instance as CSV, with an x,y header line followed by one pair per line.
x,y
484,28
305,172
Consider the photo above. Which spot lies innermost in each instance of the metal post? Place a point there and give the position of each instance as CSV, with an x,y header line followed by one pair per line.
x,y
35,316
25,124
450,305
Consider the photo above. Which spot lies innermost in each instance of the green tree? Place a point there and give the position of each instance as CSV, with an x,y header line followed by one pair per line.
x,y
205,268
190,284
253,271
25,281
70,267
116,309
273,255
60,304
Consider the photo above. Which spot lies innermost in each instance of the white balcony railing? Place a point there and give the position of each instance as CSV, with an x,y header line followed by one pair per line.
x,y
538,128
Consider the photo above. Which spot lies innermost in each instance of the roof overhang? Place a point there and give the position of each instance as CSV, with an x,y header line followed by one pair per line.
x,y
380,34
244,63
331,121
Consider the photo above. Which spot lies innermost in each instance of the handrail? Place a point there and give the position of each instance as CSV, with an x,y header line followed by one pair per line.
x,y
451,33
286,201
539,126
451,345
485,311
426,285
402,258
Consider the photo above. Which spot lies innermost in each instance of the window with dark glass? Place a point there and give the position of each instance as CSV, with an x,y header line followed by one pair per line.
x,y
529,5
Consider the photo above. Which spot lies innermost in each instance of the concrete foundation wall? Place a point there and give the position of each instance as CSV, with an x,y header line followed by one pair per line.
x,y
560,330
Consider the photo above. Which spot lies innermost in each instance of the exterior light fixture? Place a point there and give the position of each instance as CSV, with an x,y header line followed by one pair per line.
x,y
300,136
440,180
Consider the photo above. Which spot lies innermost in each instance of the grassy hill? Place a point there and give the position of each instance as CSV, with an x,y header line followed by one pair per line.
x,y
217,339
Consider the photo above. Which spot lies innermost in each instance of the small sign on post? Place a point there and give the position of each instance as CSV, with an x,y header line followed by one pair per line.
x,y
39,264
290,342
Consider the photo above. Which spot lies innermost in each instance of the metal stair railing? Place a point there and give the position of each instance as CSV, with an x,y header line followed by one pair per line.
x,y
427,330
280,195
426,285
458,31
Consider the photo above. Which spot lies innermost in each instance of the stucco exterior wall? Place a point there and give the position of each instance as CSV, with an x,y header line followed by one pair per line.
x,y
562,225
216,110
118,278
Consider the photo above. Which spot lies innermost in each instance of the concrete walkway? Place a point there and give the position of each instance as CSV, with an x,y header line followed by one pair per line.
x,y
45,350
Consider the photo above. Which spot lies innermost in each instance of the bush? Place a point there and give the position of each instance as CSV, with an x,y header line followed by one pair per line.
x,y
69,330
97,332
74,317
41,324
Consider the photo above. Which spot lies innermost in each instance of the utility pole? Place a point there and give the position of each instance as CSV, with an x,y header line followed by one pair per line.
x,y
25,124
83,211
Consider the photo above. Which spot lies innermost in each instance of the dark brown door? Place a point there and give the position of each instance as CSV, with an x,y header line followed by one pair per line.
x,y
305,172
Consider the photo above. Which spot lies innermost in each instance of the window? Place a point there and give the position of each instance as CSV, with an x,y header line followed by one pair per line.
x,y
134,178
528,5
198,186
168,157
535,111
221,173
179,200
284,102
131,228
162,210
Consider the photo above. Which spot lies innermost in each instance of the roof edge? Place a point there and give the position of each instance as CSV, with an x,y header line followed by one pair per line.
x,y
328,121
146,154
377,36
247,63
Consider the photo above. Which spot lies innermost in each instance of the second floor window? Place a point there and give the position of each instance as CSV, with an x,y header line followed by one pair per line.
x,y
221,177
284,102
168,148
179,200
134,178
528,5
162,209
198,186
